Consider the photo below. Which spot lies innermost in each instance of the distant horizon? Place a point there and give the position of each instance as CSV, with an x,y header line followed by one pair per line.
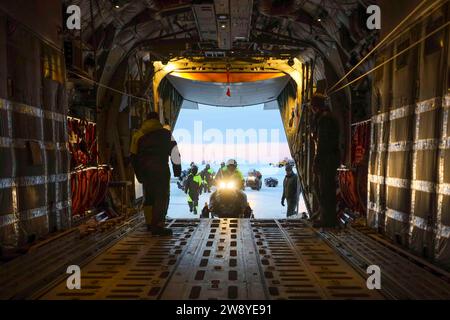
x,y
240,163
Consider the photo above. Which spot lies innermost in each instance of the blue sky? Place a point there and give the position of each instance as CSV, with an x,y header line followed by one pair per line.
x,y
203,134
224,118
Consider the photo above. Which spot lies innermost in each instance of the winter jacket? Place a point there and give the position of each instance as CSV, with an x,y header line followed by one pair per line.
x,y
194,186
290,187
150,149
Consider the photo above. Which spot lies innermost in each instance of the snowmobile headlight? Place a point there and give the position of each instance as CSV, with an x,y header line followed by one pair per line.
x,y
251,178
231,185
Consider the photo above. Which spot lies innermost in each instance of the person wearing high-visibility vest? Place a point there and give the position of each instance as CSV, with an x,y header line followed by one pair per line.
x,y
207,175
194,186
231,172
219,172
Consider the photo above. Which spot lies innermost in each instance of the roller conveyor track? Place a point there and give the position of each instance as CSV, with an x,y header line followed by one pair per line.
x,y
220,259
298,264
25,275
133,265
402,277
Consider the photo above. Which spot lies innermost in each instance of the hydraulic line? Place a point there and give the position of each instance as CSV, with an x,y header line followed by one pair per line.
x,y
391,58
416,9
109,88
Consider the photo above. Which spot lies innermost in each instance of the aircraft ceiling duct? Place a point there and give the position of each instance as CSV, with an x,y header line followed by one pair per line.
x,y
233,21
205,18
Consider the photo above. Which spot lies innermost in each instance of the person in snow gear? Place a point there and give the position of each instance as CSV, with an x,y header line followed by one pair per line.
x,y
194,186
290,193
326,162
219,172
191,166
205,211
183,177
150,149
254,180
231,172
207,175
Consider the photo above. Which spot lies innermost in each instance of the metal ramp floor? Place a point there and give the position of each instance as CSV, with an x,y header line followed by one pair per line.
x,y
221,259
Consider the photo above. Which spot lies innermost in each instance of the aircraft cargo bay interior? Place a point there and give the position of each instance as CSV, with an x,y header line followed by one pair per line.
x,y
224,150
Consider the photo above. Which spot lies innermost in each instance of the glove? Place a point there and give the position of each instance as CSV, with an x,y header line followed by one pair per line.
x,y
176,170
282,202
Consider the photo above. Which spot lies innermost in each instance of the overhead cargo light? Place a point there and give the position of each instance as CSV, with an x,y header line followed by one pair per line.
x,y
222,17
119,3
321,15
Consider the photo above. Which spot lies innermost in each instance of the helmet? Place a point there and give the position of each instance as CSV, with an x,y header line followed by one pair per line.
x,y
192,164
222,164
208,166
194,169
231,162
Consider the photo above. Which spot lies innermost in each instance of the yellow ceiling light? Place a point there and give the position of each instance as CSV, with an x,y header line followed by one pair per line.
x,y
232,77
169,67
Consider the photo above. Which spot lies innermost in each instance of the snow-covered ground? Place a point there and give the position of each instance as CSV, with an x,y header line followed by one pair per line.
x,y
266,203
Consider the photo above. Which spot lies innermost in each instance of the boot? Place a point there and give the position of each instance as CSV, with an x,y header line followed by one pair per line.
x,y
148,215
160,231
323,224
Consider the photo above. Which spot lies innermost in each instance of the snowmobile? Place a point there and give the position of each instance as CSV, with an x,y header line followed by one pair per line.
x,y
271,182
229,201
254,180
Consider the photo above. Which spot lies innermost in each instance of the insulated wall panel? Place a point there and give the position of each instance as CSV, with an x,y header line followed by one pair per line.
x,y
416,174
446,165
380,129
427,131
5,163
5,203
399,166
32,104
3,68
442,236
26,125
33,174
442,246
49,94
23,53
